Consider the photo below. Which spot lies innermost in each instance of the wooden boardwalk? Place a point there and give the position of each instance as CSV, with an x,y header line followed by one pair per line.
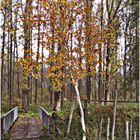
x,y
26,128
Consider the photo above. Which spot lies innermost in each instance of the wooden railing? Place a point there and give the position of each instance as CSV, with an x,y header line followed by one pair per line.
x,y
8,119
44,116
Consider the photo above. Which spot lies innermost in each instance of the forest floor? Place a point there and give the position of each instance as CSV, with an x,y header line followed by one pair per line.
x,y
29,125
125,112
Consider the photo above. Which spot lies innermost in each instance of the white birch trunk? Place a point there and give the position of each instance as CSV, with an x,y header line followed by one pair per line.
x,y
131,125
114,116
70,118
108,129
81,110
135,135
100,128
127,130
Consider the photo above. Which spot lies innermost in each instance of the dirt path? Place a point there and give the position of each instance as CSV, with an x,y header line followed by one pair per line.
x,y
26,129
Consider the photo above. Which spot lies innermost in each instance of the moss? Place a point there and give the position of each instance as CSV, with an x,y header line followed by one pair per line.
x,y
29,114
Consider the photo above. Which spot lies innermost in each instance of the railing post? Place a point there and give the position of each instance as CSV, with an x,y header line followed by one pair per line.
x,y
44,116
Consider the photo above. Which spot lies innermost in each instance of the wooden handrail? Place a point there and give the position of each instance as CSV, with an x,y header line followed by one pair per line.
x,y
44,116
8,119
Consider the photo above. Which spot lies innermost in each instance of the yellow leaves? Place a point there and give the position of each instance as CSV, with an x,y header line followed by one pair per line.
x,y
64,1
57,84
79,74
56,80
30,67
28,51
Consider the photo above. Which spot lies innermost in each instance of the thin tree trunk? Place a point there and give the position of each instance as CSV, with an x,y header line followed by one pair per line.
x,y
108,129
37,57
51,54
137,64
131,128
2,55
107,54
27,28
81,110
18,81
88,10
62,97
124,63
135,135
100,58
31,77
42,79
100,128
11,57
8,68
51,92
114,116
70,118
15,49
127,130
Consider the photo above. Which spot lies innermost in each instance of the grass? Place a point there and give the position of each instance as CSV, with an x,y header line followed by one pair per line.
x,y
29,114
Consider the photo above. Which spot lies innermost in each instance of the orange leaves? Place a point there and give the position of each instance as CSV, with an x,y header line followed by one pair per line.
x,y
26,69
43,1
72,37
28,51
56,75
95,50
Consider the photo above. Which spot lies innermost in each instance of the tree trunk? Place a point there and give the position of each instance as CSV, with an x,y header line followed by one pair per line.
x,y
27,40
131,129
14,52
135,135
11,51
25,100
127,130
70,117
137,64
51,92
37,57
57,100
31,77
114,115
88,87
42,78
2,55
108,129
125,64
100,128
8,68
81,110
100,89
16,47
88,9
18,74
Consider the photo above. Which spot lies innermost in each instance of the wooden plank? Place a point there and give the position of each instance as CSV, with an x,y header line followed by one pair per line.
x,y
27,128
